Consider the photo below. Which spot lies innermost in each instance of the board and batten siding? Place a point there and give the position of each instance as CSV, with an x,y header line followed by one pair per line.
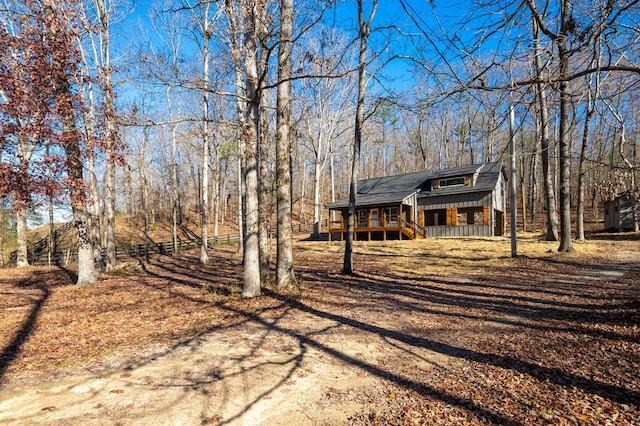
x,y
460,231
474,199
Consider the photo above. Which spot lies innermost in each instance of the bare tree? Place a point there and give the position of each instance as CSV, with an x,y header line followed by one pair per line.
x,y
250,137
285,276
590,109
324,101
104,14
569,38
363,34
265,206
543,122
206,145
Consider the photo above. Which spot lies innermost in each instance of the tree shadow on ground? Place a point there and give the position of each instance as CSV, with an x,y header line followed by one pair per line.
x,y
12,350
423,295
553,375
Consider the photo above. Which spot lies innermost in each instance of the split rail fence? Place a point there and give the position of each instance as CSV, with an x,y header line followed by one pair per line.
x,y
38,253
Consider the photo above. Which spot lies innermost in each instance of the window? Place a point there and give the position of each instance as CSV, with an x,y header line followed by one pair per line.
x,y
375,219
391,214
471,216
459,181
362,218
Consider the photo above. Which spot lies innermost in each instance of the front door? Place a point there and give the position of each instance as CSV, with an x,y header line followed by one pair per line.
x,y
375,219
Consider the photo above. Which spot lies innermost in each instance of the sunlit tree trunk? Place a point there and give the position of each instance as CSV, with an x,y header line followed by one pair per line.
x,y
175,201
236,18
204,205
250,134
22,259
285,276
71,141
317,172
364,30
566,245
581,166
264,190
111,138
90,132
543,110
25,152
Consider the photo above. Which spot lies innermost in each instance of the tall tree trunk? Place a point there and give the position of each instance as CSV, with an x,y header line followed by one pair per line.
x,y
109,187
22,259
133,211
215,190
317,170
264,205
174,177
285,276
533,194
25,152
523,184
566,244
550,196
236,18
104,17
86,268
491,137
51,243
264,190
581,166
144,194
204,206
94,214
250,134
364,30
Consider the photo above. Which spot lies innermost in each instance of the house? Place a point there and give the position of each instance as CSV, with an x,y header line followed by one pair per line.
x,y
457,202
618,213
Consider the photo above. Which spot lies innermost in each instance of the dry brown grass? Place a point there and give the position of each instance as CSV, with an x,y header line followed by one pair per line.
x,y
470,255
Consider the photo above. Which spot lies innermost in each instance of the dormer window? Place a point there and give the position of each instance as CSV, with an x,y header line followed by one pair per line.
x,y
448,183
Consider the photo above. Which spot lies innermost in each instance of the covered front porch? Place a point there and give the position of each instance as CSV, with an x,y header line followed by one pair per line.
x,y
376,223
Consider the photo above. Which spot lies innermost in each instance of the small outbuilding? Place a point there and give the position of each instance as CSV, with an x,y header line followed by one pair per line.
x,y
456,202
618,213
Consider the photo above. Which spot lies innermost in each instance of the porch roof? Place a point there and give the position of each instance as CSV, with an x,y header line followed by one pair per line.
x,y
375,199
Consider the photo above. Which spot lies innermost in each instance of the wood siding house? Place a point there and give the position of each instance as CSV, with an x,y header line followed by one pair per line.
x,y
457,202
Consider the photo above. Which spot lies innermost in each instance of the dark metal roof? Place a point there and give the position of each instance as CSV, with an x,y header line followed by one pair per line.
x,y
395,189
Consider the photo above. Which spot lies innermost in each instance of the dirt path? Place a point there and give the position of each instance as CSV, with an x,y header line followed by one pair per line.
x,y
259,373
323,363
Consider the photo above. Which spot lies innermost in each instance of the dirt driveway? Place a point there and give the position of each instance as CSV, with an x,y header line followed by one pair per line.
x,y
544,338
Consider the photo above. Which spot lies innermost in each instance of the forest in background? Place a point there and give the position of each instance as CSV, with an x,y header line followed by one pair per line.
x,y
250,112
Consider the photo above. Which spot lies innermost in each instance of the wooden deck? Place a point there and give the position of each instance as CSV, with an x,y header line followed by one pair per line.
x,y
393,230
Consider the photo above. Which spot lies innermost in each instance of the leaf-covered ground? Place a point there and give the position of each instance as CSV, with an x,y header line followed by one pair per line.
x,y
427,332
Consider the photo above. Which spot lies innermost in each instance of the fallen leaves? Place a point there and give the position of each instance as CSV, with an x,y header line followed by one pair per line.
x,y
532,344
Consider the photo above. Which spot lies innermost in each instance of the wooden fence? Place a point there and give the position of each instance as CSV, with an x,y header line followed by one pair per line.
x,y
70,255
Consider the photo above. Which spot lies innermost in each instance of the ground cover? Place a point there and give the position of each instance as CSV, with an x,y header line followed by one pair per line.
x,y
436,331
